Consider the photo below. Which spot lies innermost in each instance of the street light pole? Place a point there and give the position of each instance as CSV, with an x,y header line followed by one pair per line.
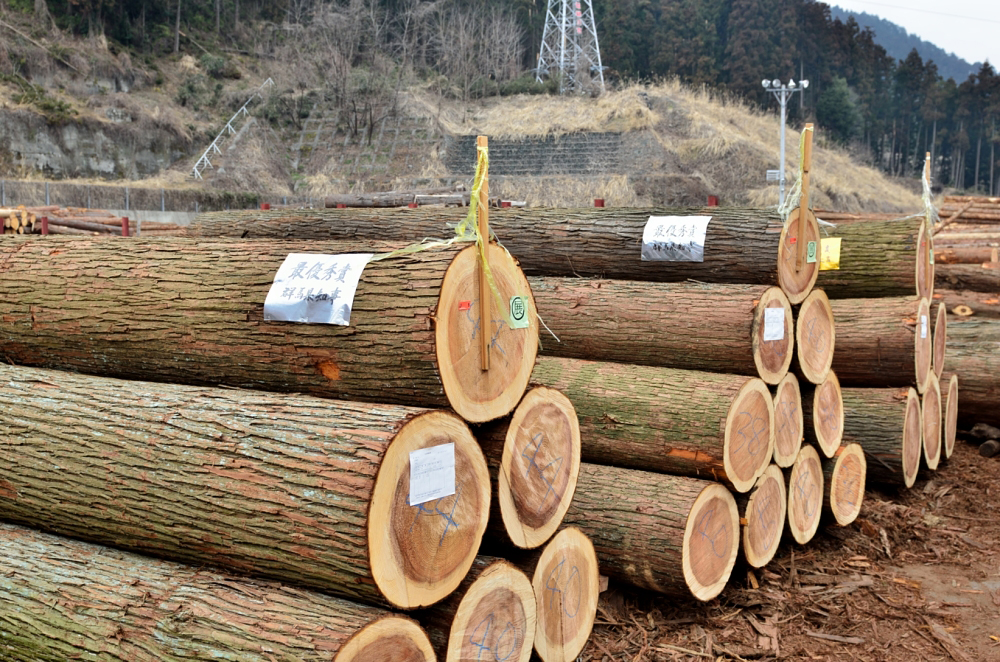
x,y
783,92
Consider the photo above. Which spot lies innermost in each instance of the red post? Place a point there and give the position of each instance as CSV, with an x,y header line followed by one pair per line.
x,y
45,224
505,203
265,206
598,202
413,205
341,205
124,226
713,201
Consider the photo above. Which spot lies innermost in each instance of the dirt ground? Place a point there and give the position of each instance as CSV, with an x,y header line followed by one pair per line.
x,y
915,578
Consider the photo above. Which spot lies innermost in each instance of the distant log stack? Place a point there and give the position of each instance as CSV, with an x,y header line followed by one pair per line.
x,y
81,598
294,488
974,209
394,198
974,355
193,312
887,423
17,220
983,277
967,304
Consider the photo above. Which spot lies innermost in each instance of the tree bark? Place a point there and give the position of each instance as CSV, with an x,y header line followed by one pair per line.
x,y
844,484
878,259
823,411
64,599
387,198
974,355
973,277
883,342
177,29
805,495
763,512
718,427
962,255
717,328
963,303
192,312
886,422
293,488
670,534
534,461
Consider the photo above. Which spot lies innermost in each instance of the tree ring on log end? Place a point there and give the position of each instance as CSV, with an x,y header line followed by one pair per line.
x,y
540,466
805,495
847,483
765,518
749,441
419,554
390,638
923,350
828,415
930,412
566,584
772,357
477,395
924,267
815,337
788,421
912,438
496,617
797,285
711,542
951,417
940,339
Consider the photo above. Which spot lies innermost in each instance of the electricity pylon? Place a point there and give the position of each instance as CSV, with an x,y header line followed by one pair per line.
x,y
569,45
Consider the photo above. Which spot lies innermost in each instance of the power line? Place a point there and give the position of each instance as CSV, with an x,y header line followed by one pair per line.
x,y
978,19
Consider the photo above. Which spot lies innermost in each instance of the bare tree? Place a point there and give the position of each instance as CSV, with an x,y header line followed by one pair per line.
x,y
177,29
473,47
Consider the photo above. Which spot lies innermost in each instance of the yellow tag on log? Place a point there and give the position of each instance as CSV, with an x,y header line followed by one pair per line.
x,y
829,253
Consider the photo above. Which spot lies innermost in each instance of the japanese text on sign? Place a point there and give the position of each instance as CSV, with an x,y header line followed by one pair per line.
x,y
432,473
829,254
674,238
315,289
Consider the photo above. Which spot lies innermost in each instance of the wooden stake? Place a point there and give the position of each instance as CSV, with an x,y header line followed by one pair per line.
x,y
927,168
800,254
483,214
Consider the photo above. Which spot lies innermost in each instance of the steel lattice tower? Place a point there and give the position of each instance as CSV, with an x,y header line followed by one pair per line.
x,y
569,45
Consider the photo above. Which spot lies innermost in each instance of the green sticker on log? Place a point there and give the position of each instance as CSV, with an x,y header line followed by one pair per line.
x,y
811,252
519,312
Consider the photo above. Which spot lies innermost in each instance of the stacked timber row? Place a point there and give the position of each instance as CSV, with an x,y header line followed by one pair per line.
x,y
17,220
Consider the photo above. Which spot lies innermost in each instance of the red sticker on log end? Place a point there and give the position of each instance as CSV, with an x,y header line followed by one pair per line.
x,y
464,305
792,240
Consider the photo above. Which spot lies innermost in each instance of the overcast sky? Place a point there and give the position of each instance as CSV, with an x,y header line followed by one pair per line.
x,y
968,28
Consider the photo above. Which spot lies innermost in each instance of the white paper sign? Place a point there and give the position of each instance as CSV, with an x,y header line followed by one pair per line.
x,y
432,473
923,326
315,289
674,238
774,324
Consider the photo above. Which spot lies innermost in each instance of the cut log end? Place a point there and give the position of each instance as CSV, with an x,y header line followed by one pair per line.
x,y
924,348
479,395
940,339
788,421
495,619
845,478
797,284
930,415
395,638
828,415
815,337
773,357
765,516
951,417
925,268
540,466
805,495
566,584
912,438
749,441
711,542
419,554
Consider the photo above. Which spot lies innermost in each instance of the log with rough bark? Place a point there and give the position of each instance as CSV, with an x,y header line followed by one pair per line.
x,y
940,339
983,277
974,355
950,414
963,255
815,338
670,534
844,483
693,326
490,616
967,304
62,599
382,198
718,427
763,517
823,410
741,245
883,342
788,421
887,423
534,460
192,312
931,417
294,488
805,495
881,258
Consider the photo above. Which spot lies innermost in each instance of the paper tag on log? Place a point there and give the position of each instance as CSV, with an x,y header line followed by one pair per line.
x,y
923,326
774,324
519,312
315,289
674,239
829,253
432,473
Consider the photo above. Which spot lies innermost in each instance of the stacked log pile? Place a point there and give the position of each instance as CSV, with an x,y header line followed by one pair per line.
x,y
81,222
